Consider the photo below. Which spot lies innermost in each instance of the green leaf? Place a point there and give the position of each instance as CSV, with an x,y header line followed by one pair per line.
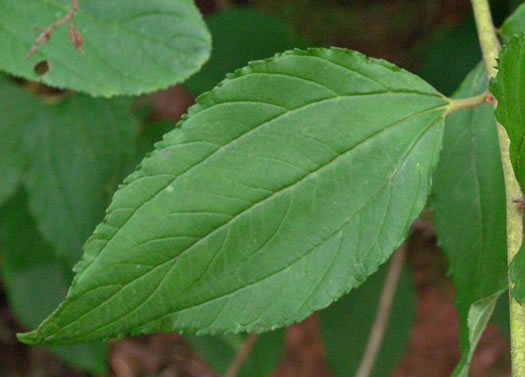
x,y
469,213
283,188
132,49
345,326
514,24
76,148
15,107
36,280
509,90
219,351
241,35
501,316
517,268
450,55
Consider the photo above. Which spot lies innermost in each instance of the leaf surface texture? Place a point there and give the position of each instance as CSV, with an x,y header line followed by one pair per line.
x,y
282,189
76,148
509,90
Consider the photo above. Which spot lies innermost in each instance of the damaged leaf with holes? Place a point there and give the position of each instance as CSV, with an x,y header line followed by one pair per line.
x,y
101,47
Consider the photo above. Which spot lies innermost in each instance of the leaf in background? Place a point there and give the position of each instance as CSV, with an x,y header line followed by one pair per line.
x,y
76,148
283,188
132,49
469,213
150,134
15,107
345,326
450,56
501,316
36,280
517,269
241,35
515,24
509,90
219,351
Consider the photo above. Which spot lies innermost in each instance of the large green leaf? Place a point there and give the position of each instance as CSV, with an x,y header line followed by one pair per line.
x,y
76,148
509,90
36,280
515,24
241,35
15,107
131,49
283,188
345,326
469,213
220,350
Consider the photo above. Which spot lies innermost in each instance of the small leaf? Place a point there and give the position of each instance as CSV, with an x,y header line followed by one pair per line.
x,y
283,188
469,212
241,35
15,107
132,49
509,90
345,326
219,351
36,280
514,24
76,148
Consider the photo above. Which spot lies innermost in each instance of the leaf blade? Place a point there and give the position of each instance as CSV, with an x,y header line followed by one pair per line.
x,y
75,149
508,88
16,106
230,190
36,280
469,213
514,24
159,43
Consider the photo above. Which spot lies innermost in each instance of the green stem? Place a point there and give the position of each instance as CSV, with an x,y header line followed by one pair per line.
x,y
375,340
241,356
458,104
490,48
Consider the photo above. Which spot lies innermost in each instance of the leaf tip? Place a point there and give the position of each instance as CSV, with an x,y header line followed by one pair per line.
x,y
31,338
